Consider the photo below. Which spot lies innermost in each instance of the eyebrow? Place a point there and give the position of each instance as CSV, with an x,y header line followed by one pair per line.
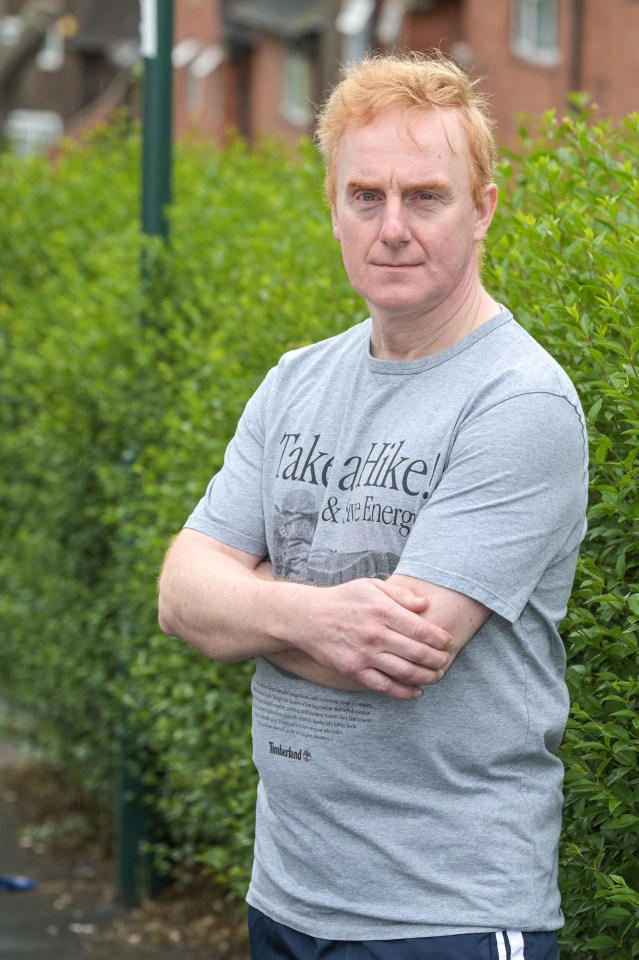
x,y
426,186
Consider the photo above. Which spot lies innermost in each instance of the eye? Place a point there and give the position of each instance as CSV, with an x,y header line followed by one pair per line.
x,y
425,195
368,196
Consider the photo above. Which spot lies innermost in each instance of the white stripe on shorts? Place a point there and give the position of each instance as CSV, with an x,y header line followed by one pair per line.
x,y
501,946
516,941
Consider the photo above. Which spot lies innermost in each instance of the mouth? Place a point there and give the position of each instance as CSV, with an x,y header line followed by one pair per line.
x,y
396,266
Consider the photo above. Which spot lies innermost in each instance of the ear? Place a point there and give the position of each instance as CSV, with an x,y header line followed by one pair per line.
x,y
335,220
484,211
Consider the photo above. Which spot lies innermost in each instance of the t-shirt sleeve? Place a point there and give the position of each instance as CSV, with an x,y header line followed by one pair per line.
x,y
510,503
232,508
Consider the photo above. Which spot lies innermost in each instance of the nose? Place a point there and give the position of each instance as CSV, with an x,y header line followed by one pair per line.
x,y
394,230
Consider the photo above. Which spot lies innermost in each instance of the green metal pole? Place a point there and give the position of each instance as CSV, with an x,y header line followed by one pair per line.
x,y
157,117
136,876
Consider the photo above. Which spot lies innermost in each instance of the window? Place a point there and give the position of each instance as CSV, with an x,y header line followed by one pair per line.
x,y
296,86
354,23
199,63
31,131
51,56
535,31
389,22
197,71
10,30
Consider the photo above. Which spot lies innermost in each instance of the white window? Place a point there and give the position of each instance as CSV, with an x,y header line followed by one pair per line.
x,y
31,131
389,22
51,55
197,71
354,23
296,86
535,31
10,30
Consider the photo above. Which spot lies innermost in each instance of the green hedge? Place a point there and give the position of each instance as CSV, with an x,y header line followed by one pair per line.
x,y
116,407
565,257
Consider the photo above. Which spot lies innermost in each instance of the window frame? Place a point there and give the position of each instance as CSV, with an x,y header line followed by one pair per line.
x,y
297,85
528,44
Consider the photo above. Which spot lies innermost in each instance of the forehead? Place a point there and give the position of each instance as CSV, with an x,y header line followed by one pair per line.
x,y
421,143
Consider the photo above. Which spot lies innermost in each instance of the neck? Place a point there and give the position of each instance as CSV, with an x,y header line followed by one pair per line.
x,y
409,338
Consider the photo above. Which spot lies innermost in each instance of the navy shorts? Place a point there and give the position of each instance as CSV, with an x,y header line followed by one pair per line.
x,y
274,941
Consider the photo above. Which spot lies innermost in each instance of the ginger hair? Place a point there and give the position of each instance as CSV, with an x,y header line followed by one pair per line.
x,y
408,83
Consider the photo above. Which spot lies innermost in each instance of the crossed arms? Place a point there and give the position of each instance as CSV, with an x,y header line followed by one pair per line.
x,y
390,636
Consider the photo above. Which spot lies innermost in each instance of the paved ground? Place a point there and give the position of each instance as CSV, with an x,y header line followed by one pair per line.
x,y
73,914
53,921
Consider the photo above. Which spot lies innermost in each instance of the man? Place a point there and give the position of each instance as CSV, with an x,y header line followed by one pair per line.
x,y
418,486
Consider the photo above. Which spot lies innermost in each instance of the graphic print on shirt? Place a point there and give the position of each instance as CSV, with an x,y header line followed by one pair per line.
x,y
338,516
294,527
382,487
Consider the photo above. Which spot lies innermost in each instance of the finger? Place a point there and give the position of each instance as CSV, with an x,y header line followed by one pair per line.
x,y
434,637
403,595
380,682
434,655
408,673
415,652
414,627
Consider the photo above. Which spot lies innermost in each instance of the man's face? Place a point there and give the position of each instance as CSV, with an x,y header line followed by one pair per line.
x,y
405,215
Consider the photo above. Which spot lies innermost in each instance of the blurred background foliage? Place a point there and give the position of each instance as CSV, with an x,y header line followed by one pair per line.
x,y
117,400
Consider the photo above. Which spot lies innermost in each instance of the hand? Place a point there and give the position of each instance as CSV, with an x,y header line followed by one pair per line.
x,y
372,633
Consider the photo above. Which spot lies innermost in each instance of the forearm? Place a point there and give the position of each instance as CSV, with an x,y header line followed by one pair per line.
x,y
368,631
223,607
458,614
304,666
219,605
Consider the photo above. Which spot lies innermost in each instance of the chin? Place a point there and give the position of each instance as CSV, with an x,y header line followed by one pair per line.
x,y
397,311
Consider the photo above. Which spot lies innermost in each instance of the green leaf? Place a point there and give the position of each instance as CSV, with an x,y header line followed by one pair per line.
x,y
601,942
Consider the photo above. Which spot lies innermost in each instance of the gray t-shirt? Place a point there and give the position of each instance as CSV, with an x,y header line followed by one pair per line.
x,y
380,819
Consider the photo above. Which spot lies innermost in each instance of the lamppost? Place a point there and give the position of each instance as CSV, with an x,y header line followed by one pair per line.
x,y
136,876
156,46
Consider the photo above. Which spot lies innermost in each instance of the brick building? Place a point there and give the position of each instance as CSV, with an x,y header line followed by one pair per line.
x,y
250,66
534,52
261,65
275,58
64,65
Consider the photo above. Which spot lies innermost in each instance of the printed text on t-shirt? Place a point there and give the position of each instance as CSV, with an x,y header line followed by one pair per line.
x,y
383,466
